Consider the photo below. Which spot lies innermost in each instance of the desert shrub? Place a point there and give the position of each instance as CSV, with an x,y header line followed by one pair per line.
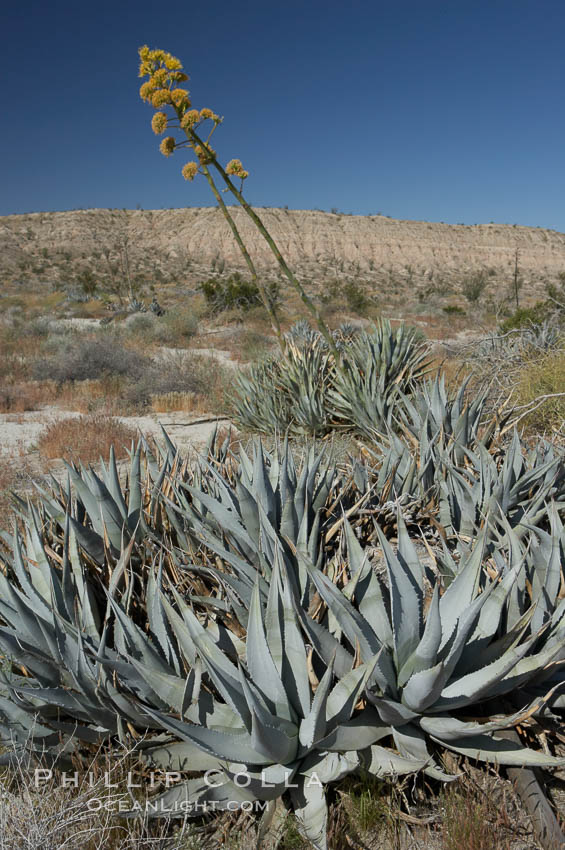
x,y
178,373
85,438
18,397
236,293
141,324
526,316
90,358
474,286
176,327
544,376
349,293
454,310
14,475
51,815
355,298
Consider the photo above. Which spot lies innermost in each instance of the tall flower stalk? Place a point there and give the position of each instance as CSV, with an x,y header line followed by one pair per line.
x,y
162,91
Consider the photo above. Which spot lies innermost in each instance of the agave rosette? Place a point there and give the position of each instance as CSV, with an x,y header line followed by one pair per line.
x,y
268,712
449,647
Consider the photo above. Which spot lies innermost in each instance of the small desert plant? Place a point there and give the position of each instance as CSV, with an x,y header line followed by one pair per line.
x,y
538,378
474,286
355,298
176,373
471,822
177,326
85,438
236,293
91,358
525,317
454,310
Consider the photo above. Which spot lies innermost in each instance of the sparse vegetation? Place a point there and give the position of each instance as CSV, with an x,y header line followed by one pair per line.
x,y
237,293
87,358
543,378
85,438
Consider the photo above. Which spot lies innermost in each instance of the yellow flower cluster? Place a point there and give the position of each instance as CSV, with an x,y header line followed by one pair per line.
x,y
159,123
179,98
204,153
159,78
235,168
189,119
160,90
167,146
150,59
190,170
161,98
207,113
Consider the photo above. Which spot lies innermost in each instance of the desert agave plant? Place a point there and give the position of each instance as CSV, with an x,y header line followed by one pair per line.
x,y
257,403
449,648
287,395
377,366
515,490
284,662
270,726
448,469
269,503
304,392
303,335
449,423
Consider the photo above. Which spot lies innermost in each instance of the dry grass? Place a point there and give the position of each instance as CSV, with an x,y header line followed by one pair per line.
x,y
473,824
543,377
86,438
45,815
174,401
15,474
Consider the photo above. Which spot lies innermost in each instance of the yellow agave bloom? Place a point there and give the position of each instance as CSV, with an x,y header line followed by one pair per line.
x,y
206,113
147,91
180,97
161,98
204,153
189,119
158,55
145,69
160,78
159,123
167,146
235,167
172,63
178,77
190,170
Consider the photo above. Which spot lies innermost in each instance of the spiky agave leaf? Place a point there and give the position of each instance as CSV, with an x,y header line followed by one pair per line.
x,y
376,367
271,504
465,647
268,721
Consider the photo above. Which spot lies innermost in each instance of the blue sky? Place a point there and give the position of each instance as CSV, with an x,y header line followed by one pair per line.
x,y
440,111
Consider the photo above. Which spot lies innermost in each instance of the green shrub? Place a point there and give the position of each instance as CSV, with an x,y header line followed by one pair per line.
x,y
545,376
525,316
356,299
474,287
454,310
236,293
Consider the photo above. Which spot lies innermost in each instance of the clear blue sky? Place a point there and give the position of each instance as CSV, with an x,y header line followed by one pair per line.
x,y
443,110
